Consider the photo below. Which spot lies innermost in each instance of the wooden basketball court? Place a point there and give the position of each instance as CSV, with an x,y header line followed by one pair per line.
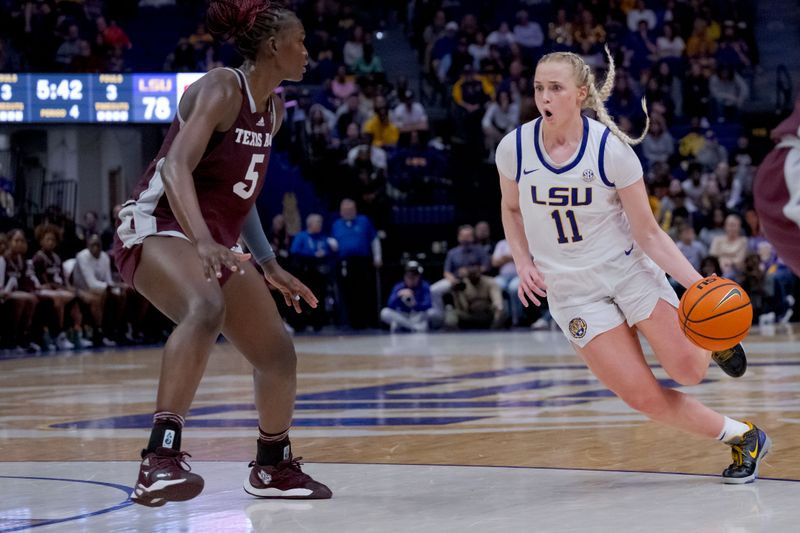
x,y
481,431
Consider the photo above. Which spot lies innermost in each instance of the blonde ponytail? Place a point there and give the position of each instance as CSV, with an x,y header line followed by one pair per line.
x,y
596,98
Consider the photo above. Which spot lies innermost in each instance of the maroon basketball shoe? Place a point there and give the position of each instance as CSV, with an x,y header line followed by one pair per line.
x,y
286,481
164,476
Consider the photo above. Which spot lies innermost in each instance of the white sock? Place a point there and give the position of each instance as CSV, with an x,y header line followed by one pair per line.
x,y
732,428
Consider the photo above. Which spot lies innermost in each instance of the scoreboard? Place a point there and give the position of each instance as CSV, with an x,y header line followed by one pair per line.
x,y
91,98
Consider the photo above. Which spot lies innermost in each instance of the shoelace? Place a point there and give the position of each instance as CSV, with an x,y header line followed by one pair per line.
x,y
738,454
292,464
723,355
179,460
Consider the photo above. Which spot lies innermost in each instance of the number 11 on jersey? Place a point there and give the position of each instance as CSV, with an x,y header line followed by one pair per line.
x,y
562,237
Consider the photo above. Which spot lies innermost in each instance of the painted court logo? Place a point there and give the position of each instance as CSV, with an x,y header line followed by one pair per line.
x,y
577,328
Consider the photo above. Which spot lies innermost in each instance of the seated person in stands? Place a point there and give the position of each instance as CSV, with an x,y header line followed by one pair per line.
x,y
49,276
409,306
96,287
17,306
478,302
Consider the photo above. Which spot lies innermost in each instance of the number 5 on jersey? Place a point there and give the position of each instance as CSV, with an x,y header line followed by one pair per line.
x,y
245,189
562,237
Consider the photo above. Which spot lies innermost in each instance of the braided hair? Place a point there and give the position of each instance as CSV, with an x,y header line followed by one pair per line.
x,y
247,22
584,77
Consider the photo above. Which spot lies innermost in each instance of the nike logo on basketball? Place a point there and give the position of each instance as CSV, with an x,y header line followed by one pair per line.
x,y
629,250
731,294
526,171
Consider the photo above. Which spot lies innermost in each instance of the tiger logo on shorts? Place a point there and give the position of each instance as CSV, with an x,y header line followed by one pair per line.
x,y
577,327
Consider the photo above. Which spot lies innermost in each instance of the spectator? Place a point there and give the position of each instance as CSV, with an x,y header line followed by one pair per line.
x,y
692,249
778,286
715,229
478,303
641,14
711,153
92,277
470,94
369,63
528,35
701,44
16,284
466,254
312,253
279,237
501,117
51,287
359,256
730,248
478,51
560,32
409,115
354,48
349,113
343,85
112,36
70,48
502,37
381,129
669,45
696,93
483,237
658,146
728,91
409,306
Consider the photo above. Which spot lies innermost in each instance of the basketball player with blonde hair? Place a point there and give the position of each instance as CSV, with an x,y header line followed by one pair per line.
x,y
576,214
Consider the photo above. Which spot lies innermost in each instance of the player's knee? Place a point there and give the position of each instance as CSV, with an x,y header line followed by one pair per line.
x,y
690,374
279,360
208,311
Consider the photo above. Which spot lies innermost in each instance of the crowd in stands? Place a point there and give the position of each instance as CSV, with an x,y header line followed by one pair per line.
x,y
372,143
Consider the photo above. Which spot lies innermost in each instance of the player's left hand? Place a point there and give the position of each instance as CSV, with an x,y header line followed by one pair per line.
x,y
291,287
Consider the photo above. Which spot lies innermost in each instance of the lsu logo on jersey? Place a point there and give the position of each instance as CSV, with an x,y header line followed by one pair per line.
x,y
577,328
562,196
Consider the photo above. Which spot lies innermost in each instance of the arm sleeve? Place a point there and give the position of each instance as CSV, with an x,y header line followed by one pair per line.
x,y
622,166
505,156
394,300
255,239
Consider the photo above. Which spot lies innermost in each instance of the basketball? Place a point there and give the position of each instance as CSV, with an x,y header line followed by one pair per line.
x,y
715,313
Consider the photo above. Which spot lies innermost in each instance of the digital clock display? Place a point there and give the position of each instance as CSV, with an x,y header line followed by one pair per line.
x,y
59,98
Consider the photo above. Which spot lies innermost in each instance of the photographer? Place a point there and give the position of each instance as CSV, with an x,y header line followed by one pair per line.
x,y
409,306
478,302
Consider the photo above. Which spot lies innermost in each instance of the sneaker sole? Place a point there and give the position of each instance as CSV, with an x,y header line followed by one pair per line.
x,y
168,491
749,479
277,494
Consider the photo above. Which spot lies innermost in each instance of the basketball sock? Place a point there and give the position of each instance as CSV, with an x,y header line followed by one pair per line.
x,y
166,432
273,447
731,429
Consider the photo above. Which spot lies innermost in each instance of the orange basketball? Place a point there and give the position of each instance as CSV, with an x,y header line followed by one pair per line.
x,y
715,313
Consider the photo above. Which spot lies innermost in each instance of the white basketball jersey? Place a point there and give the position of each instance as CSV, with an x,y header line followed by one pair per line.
x,y
572,214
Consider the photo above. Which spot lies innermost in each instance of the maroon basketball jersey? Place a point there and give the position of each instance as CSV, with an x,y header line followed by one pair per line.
x,y
771,194
227,179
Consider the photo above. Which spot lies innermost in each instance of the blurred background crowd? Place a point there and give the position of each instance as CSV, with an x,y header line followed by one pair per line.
x,y
392,136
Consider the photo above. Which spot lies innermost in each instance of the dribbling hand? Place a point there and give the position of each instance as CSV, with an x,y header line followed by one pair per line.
x,y
291,288
214,257
531,283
